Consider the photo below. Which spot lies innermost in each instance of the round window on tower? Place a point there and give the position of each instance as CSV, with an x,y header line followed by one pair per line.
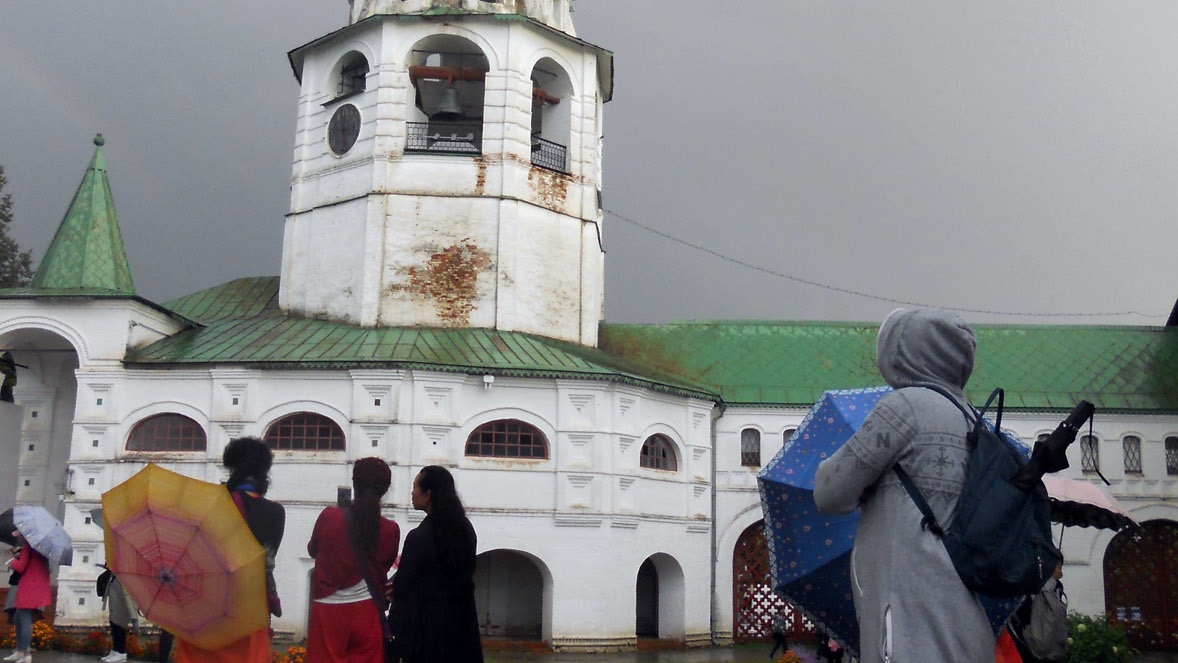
x,y
343,129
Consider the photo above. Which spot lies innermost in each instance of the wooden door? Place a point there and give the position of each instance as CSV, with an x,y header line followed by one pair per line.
x,y
1141,584
754,602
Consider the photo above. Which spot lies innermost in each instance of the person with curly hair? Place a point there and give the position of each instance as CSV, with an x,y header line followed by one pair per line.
x,y
354,548
433,616
248,460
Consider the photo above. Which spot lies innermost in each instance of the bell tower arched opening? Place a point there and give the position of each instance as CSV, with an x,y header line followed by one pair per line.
x,y
448,82
551,115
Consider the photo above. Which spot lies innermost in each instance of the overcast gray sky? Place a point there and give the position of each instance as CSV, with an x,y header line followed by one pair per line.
x,y
1002,155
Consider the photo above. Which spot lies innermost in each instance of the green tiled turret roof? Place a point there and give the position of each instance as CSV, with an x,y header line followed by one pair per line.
x,y
87,253
1132,369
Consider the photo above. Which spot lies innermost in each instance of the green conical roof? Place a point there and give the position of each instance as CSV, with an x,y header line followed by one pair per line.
x,y
87,252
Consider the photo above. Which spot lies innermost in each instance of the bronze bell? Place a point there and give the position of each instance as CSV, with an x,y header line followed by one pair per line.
x,y
449,108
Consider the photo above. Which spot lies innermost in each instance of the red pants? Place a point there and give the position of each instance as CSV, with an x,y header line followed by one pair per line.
x,y
1004,649
345,633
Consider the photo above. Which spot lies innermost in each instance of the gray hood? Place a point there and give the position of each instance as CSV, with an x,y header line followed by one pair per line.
x,y
925,346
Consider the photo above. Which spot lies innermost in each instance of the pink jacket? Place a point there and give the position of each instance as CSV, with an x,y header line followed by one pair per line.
x,y
33,591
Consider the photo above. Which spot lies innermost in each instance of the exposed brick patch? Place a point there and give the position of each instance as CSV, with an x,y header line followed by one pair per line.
x,y
450,279
551,187
480,184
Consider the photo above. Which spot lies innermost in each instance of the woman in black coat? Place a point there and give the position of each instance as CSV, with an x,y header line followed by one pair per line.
x,y
433,614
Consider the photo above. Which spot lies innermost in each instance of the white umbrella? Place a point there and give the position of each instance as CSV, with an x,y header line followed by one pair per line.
x,y
44,534
1085,504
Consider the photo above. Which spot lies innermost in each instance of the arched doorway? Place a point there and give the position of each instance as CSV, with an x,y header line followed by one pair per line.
x,y
509,596
45,397
754,602
646,618
1141,584
659,608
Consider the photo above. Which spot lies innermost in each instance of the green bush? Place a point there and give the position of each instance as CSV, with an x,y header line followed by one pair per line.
x,y
1094,640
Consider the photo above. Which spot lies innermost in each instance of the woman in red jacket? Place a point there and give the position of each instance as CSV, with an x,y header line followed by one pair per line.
x,y
354,547
32,595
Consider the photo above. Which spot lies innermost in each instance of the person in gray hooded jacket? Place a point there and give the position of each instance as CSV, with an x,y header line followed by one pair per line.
x,y
912,606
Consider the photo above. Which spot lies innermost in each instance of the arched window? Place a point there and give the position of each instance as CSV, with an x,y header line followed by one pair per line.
x,y
1131,444
167,432
1089,454
551,119
750,447
305,431
447,76
507,438
351,74
787,434
658,453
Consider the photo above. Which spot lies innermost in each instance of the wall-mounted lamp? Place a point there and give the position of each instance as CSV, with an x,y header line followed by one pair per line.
x,y
488,380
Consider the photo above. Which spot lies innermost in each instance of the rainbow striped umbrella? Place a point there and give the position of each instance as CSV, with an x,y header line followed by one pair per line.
x,y
182,550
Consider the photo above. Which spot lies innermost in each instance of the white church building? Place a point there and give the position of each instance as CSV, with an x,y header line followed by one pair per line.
x,y
440,302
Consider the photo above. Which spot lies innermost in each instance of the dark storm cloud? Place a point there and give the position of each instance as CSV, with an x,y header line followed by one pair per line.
x,y
1008,155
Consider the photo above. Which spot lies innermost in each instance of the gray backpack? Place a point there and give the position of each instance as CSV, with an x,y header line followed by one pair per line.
x,y
1046,633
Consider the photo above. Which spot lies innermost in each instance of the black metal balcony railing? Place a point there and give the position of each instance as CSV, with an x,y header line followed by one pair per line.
x,y
462,137
550,155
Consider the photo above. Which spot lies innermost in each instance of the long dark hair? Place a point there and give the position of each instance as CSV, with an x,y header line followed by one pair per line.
x,y
248,460
370,481
451,528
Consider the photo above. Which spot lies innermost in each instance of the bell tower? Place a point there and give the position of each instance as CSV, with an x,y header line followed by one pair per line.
x,y
447,170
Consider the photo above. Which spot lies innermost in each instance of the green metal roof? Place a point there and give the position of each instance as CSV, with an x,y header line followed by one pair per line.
x,y
792,363
739,363
87,252
244,326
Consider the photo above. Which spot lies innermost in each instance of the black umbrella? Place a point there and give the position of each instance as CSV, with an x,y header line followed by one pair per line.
x,y
1050,455
7,527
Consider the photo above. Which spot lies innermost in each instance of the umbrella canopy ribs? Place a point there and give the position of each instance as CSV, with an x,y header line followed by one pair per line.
x,y
183,551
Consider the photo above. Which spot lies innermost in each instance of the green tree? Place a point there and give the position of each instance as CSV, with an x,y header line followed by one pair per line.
x,y
16,266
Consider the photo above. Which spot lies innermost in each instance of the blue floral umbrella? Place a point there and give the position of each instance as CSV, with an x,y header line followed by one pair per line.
x,y
810,551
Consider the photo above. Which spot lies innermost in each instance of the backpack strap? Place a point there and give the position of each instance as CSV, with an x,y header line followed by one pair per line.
x,y
929,521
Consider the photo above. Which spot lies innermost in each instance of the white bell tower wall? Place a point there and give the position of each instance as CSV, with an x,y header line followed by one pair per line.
x,y
467,194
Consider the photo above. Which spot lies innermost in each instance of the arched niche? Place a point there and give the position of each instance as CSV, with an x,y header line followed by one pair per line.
x,y
513,596
659,599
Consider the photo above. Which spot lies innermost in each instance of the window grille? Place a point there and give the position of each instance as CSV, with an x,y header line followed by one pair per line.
x,y
167,432
1089,454
305,431
658,453
507,438
1132,448
750,447
1172,455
